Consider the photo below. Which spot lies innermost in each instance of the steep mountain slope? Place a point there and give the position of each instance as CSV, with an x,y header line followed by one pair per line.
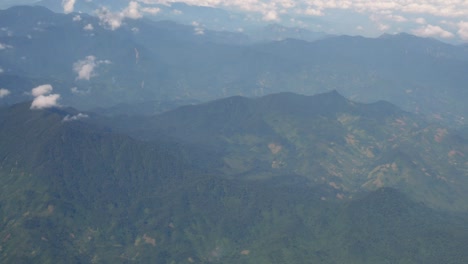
x,y
72,192
63,179
327,139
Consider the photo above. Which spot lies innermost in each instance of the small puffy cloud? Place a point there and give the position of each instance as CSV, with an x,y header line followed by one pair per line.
x,y
114,20
271,15
177,12
85,68
109,19
4,92
132,11
88,27
5,46
42,90
312,12
77,18
420,20
75,90
68,6
79,116
433,31
43,98
151,10
198,29
2,70
45,101
383,27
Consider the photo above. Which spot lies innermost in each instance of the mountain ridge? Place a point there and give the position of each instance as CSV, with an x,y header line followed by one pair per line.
x,y
325,138
168,61
91,194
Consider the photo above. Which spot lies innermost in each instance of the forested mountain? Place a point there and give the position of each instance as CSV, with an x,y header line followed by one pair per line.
x,y
157,142
77,193
327,139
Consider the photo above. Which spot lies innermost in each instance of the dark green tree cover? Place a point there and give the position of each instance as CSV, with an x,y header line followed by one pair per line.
x,y
73,192
327,139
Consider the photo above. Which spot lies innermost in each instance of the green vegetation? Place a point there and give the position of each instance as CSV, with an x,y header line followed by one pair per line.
x,y
74,192
281,178
327,139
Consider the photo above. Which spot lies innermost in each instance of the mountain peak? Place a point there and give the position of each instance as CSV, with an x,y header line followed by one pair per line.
x,y
28,10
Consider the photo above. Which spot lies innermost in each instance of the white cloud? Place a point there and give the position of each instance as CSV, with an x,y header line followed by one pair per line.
x,y
312,12
177,12
2,70
85,67
4,92
114,20
198,29
109,19
88,27
77,18
5,46
68,6
271,15
383,27
79,116
43,98
463,30
420,20
433,31
151,10
75,90
42,90
132,11
45,101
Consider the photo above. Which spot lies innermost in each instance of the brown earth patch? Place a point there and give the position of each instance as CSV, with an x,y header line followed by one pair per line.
x,y
275,148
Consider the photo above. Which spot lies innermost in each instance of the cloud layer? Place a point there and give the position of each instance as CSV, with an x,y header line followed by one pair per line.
x,y
427,18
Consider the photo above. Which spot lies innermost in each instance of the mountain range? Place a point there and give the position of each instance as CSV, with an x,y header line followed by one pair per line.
x,y
325,138
75,191
144,141
145,60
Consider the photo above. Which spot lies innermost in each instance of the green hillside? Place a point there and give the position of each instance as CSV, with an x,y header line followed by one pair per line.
x,y
73,192
326,139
